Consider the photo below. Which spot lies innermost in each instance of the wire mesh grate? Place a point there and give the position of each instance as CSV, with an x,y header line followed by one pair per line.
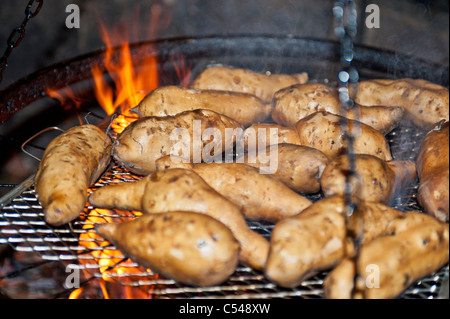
x,y
23,227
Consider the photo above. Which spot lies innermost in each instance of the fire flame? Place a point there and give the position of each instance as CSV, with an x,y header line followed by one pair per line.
x,y
130,84
110,262
129,87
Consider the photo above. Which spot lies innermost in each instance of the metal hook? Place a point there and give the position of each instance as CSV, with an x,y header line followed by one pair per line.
x,y
36,135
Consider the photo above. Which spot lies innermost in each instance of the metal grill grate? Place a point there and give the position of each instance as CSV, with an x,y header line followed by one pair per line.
x,y
23,227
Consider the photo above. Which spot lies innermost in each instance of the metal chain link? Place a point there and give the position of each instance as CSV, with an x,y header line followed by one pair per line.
x,y
345,28
32,9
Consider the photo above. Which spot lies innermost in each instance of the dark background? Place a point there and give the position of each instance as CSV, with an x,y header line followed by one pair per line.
x,y
418,28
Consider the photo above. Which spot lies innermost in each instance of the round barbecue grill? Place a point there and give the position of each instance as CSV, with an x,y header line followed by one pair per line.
x,y
21,218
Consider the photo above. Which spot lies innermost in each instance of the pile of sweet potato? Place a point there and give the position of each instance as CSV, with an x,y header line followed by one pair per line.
x,y
288,139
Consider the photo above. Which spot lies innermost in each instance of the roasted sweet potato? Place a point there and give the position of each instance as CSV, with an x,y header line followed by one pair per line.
x,y
192,248
339,282
298,101
71,162
246,81
325,131
433,171
185,135
171,100
414,245
259,196
375,180
304,244
425,103
298,167
184,190
123,196
261,135
316,239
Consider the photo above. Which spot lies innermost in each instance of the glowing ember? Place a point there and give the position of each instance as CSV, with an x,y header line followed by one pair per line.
x,y
109,261
76,293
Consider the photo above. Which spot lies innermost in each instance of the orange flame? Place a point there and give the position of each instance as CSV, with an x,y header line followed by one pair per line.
x,y
130,86
110,261
76,293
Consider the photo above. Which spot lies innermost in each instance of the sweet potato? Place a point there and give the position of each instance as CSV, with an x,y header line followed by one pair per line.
x,y
123,196
246,81
433,171
147,139
316,239
171,100
298,101
192,248
415,246
425,103
298,167
261,135
339,282
71,162
304,244
184,190
325,131
259,196
375,180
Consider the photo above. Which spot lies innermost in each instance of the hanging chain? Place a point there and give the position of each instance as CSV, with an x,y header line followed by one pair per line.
x,y
345,27
32,9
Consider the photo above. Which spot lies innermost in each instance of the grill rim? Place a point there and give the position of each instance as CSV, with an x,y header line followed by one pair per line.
x,y
254,284
32,87
380,57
